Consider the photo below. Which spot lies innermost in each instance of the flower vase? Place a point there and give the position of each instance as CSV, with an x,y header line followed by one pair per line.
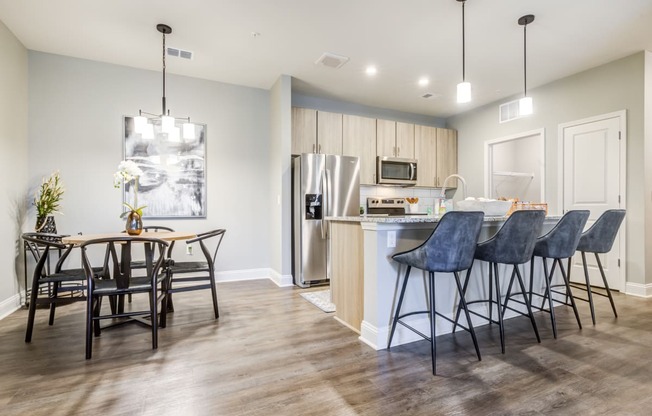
x,y
45,225
134,223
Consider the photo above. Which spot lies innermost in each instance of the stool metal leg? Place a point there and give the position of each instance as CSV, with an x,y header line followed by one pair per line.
x,y
433,343
606,285
531,279
500,315
468,316
548,280
588,287
527,304
570,293
462,294
491,294
398,307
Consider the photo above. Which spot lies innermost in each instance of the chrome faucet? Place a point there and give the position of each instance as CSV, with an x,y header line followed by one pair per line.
x,y
443,188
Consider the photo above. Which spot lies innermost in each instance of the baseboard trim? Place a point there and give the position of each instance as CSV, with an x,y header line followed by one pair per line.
x,y
638,289
254,274
9,306
281,280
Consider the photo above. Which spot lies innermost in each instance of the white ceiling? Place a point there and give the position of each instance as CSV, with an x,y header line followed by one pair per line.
x,y
404,39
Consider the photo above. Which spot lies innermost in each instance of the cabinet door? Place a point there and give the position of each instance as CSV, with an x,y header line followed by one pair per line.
x,y
425,151
446,155
386,138
329,133
304,130
405,140
360,140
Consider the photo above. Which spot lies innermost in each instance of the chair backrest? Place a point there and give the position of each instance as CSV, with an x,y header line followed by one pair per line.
x,y
156,229
602,234
514,242
451,245
202,239
562,240
39,245
122,267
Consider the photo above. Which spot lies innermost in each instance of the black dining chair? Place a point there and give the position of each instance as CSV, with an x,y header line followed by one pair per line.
x,y
121,282
558,244
512,245
194,275
449,249
52,287
142,264
599,239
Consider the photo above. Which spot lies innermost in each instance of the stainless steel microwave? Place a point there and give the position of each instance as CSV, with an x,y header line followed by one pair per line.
x,y
395,171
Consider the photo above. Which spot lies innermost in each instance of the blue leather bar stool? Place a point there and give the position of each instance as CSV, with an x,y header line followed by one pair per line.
x,y
513,245
599,239
449,249
559,243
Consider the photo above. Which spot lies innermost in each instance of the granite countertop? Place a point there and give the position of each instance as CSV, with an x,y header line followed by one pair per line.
x,y
412,219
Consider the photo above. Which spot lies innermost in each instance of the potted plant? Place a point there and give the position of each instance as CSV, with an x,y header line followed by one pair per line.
x,y
46,201
128,171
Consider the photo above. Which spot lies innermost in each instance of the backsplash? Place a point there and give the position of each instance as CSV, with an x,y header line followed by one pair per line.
x,y
427,196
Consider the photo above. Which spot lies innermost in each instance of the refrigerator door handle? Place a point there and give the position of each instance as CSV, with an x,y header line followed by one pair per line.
x,y
325,194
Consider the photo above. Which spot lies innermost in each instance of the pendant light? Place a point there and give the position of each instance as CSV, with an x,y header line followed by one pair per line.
x,y
144,122
525,107
464,87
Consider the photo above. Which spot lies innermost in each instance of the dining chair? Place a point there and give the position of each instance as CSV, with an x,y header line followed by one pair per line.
x,y
122,282
142,264
49,286
184,276
448,250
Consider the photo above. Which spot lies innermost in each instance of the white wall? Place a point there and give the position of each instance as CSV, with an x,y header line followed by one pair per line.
x,y
13,166
611,87
75,125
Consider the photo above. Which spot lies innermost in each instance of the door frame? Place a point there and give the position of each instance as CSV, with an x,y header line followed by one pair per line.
x,y
622,116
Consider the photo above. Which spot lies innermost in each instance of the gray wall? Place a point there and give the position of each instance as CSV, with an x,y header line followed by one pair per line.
x,y
611,87
13,165
75,126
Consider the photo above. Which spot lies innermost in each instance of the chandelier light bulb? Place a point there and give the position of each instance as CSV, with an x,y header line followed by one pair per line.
x,y
188,131
140,124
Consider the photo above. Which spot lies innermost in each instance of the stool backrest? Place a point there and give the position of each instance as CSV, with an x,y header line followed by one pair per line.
x,y
514,242
561,242
600,237
451,246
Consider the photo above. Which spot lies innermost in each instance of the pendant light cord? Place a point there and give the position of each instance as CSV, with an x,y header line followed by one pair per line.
x,y
525,60
164,113
463,45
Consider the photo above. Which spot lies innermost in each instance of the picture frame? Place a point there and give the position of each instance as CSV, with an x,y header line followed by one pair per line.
x,y
173,184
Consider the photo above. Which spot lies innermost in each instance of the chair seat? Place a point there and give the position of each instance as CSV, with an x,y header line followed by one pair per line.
x,y
189,267
62,277
136,284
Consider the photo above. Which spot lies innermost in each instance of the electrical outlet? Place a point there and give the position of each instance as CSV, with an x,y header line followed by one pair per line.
x,y
189,250
391,239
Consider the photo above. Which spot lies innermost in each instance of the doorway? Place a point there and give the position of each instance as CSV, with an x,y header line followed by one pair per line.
x,y
592,162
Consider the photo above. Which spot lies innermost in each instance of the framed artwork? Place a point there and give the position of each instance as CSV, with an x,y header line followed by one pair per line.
x,y
173,184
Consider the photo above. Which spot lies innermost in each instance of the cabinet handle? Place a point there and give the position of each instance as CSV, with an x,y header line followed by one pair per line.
x,y
319,148
398,151
374,180
313,147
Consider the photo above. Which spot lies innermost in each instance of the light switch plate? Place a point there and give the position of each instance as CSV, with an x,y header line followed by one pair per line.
x,y
391,239
189,250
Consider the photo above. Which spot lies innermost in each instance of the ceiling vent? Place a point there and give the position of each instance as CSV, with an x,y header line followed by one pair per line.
x,y
179,53
331,60
508,111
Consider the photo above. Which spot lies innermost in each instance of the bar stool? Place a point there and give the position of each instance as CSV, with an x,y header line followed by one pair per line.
x,y
559,243
599,239
513,245
449,249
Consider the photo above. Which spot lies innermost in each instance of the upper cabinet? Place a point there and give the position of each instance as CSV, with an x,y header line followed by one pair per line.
x,y
446,156
329,133
304,130
425,151
359,139
316,132
395,139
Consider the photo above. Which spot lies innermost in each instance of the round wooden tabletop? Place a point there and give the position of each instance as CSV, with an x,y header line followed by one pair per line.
x,y
162,235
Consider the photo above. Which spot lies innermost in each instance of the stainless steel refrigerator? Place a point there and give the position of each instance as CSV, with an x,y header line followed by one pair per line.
x,y
322,186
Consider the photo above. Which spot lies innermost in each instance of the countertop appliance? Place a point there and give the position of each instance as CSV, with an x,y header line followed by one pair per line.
x,y
387,207
322,186
396,171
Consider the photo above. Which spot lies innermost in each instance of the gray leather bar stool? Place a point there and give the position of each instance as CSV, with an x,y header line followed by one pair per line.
x,y
449,249
559,243
599,239
513,245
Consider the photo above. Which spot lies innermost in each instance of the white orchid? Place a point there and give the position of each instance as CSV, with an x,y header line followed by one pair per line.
x,y
128,171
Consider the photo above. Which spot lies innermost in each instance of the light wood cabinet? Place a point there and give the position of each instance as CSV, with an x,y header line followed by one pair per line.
x,y
304,130
359,139
446,156
329,133
395,139
425,152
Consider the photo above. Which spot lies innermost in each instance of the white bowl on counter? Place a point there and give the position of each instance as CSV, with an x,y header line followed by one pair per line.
x,y
490,208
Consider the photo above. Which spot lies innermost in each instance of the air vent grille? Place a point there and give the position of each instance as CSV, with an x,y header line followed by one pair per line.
x,y
179,53
508,111
331,60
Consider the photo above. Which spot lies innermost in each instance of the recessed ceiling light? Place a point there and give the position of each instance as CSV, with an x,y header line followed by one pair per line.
x,y
424,81
371,70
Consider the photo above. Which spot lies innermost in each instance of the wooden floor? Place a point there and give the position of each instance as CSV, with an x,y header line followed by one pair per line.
x,y
273,353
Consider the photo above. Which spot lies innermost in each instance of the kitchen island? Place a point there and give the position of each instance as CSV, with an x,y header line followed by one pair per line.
x,y
365,280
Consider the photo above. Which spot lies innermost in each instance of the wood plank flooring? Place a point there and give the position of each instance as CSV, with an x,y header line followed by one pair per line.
x,y
273,353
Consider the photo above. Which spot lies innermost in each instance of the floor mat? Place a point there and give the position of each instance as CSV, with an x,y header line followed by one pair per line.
x,y
321,299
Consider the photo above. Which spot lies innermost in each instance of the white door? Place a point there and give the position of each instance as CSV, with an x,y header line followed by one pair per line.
x,y
592,151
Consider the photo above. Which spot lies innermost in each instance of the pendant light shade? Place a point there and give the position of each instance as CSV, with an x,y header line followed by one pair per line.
x,y
525,106
464,87
144,122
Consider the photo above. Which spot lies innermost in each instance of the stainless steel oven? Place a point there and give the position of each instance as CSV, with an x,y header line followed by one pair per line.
x,y
395,171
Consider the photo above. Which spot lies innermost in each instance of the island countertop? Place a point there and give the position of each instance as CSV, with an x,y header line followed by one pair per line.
x,y
412,219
